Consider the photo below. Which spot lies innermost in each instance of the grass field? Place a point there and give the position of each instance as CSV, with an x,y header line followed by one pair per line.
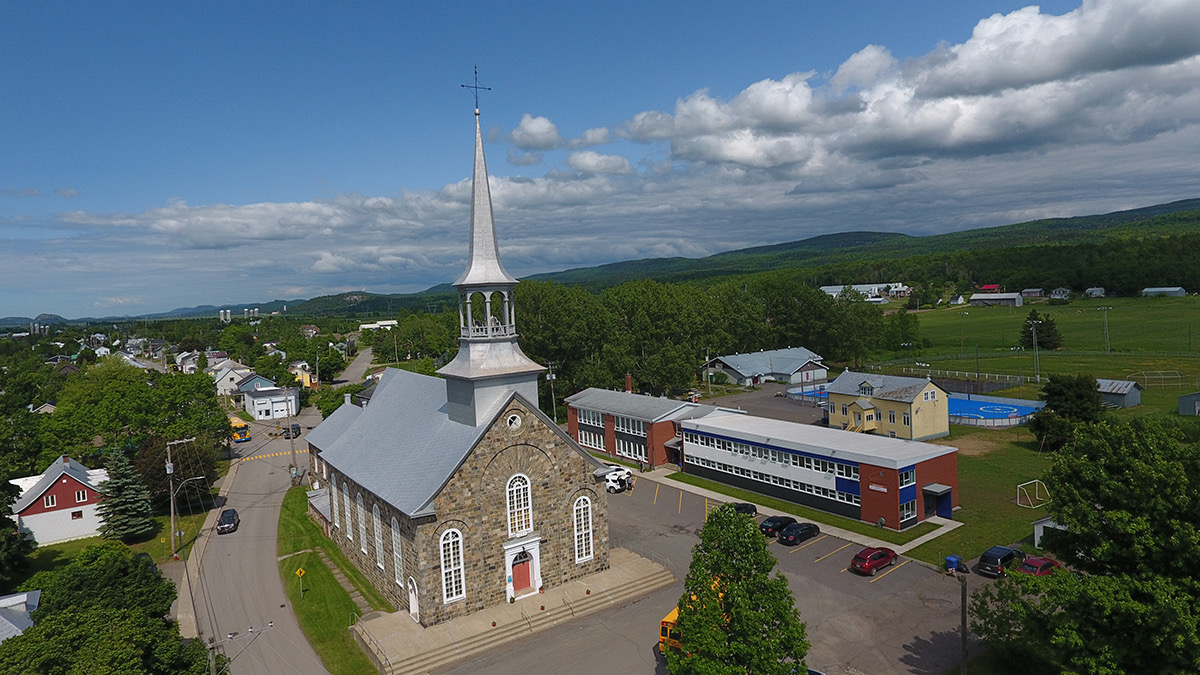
x,y
324,609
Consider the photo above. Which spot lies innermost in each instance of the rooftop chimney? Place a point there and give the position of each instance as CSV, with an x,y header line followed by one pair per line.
x,y
629,383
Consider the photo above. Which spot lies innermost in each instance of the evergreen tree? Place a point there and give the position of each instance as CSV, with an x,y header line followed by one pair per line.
x,y
734,617
125,507
1048,336
15,546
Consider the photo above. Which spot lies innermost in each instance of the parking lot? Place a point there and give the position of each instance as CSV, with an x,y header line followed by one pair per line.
x,y
903,620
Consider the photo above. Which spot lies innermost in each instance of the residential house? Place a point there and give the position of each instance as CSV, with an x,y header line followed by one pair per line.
x,y
1094,292
309,331
227,374
303,374
912,408
60,503
794,365
1060,293
14,613
872,291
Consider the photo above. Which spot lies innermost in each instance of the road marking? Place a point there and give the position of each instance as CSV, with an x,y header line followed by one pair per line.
x,y
829,554
894,568
681,501
656,486
808,544
274,454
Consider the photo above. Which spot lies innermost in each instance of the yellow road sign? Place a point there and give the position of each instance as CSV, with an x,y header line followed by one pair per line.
x,y
299,571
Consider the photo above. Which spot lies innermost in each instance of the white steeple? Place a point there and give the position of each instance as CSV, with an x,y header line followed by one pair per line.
x,y
490,363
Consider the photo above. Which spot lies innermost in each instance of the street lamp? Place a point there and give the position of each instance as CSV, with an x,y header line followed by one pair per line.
x,y
174,492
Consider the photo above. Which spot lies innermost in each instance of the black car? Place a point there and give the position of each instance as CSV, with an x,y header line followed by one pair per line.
x,y
228,522
292,431
748,509
771,526
798,532
997,559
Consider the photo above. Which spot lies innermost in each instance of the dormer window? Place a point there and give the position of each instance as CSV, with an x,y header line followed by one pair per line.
x,y
865,389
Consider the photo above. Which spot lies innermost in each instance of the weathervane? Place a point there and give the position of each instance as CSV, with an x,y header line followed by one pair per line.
x,y
476,88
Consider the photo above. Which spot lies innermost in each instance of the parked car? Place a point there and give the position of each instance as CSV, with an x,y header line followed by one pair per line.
x,y
771,526
619,479
748,509
797,532
1038,567
228,522
997,559
870,560
292,432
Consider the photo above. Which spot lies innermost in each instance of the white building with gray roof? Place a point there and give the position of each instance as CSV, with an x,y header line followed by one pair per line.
x,y
794,365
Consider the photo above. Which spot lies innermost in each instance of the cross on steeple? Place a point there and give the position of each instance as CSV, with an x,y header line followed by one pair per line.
x,y
476,88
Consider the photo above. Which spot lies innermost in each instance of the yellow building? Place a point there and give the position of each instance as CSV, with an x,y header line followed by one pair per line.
x,y
911,408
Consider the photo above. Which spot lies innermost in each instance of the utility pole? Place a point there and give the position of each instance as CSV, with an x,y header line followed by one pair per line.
x,y
1037,365
287,401
553,400
171,487
707,372
962,317
962,579
1105,310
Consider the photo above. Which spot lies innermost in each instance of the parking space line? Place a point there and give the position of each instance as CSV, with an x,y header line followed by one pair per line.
x,y
656,486
829,554
808,544
681,501
888,572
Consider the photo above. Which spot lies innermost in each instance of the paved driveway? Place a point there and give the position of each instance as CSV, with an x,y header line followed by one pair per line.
x,y
904,620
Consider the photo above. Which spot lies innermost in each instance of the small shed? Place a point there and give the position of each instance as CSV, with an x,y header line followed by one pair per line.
x,y
1169,291
1040,527
1189,404
1120,393
1094,292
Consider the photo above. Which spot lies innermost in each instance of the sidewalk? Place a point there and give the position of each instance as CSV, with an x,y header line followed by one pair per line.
x,y
662,475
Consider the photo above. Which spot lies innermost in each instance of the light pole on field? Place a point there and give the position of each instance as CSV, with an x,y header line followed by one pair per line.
x,y
1105,310
1037,366
962,318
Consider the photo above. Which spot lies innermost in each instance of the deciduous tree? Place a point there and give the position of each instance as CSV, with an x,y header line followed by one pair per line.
x,y
734,616
15,547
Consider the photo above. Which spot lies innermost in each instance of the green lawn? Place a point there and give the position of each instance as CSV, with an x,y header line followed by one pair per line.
x,y
325,609
808,514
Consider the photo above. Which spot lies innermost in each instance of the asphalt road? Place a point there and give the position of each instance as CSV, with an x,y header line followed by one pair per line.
x,y
239,586
904,620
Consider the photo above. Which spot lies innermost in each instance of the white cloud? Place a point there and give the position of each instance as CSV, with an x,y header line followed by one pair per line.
x,y
67,192
536,133
864,68
591,137
587,161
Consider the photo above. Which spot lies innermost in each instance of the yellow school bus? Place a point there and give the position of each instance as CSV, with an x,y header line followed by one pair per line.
x,y
241,430
668,631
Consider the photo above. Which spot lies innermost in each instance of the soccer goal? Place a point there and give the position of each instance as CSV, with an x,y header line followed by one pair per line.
x,y
1033,494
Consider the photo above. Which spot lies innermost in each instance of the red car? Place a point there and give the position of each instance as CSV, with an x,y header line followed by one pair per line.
x,y
871,560
1038,567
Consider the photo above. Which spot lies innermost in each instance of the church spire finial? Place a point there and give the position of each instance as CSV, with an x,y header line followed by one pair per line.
x,y
476,88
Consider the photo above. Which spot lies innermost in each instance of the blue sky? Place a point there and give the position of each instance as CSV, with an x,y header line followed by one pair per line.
x,y
159,155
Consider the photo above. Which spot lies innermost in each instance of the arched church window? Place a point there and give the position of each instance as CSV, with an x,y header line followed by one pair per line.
x,y
583,529
520,512
378,523
453,586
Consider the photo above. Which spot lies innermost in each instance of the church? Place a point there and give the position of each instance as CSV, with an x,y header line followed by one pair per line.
x,y
457,493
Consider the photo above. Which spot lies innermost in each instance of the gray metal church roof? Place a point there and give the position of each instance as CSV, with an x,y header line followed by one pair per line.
x,y
886,387
774,361
403,447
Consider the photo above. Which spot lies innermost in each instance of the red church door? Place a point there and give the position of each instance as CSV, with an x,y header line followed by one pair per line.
x,y
521,569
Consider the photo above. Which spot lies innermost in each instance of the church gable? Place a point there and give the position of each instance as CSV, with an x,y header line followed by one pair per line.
x,y
515,500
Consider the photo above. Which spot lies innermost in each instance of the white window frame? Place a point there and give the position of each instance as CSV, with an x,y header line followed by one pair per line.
x,y
520,505
891,417
397,558
631,449
908,477
591,417
378,523
333,503
582,512
591,439
362,522
845,411
907,420
49,501
629,425
80,496
453,572
908,510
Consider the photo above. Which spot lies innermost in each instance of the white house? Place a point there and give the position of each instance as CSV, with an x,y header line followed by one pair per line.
x,y
60,503
272,403
228,374
794,365
14,613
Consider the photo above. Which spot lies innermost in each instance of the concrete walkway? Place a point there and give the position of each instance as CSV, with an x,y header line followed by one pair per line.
x,y
400,646
661,475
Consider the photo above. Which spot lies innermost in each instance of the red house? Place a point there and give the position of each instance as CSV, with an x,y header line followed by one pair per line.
x,y
60,503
